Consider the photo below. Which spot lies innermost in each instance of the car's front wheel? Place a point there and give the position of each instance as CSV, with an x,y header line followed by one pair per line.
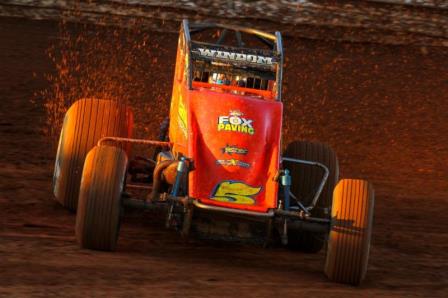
x,y
99,205
351,229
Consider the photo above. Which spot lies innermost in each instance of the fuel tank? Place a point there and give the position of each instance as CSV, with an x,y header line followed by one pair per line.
x,y
234,141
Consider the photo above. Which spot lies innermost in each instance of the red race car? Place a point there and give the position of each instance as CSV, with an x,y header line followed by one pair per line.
x,y
218,166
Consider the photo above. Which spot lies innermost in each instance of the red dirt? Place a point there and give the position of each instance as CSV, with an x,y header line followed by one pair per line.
x,y
383,108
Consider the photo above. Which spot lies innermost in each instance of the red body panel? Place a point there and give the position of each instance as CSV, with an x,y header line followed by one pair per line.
x,y
234,142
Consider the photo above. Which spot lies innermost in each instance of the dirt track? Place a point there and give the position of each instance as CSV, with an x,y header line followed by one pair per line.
x,y
384,109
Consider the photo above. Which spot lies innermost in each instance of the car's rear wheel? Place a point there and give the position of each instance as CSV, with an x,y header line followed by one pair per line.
x,y
86,121
98,216
351,229
305,181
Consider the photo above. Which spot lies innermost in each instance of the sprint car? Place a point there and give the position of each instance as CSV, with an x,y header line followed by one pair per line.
x,y
219,167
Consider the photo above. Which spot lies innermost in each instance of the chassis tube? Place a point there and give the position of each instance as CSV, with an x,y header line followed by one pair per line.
x,y
134,141
279,45
198,204
324,178
300,216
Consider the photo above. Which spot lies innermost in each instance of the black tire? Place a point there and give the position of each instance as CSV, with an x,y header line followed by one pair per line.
x,y
305,180
87,121
351,230
98,216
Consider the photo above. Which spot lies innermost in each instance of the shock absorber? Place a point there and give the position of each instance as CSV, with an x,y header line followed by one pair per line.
x,y
285,181
181,169
286,185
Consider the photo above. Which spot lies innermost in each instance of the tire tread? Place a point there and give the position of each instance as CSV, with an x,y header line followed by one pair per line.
x,y
98,216
304,181
87,121
349,239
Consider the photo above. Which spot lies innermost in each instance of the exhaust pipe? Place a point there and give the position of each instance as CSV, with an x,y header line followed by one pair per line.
x,y
157,178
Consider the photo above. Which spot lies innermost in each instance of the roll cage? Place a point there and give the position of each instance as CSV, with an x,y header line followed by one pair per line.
x,y
263,65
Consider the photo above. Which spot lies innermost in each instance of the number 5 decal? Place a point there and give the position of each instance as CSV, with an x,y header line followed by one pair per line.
x,y
235,192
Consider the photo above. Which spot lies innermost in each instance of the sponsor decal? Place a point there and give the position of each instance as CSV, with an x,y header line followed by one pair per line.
x,y
232,162
235,192
224,55
234,122
232,149
182,113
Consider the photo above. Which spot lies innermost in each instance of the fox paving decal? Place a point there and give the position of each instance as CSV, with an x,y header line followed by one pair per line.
x,y
235,192
234,122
